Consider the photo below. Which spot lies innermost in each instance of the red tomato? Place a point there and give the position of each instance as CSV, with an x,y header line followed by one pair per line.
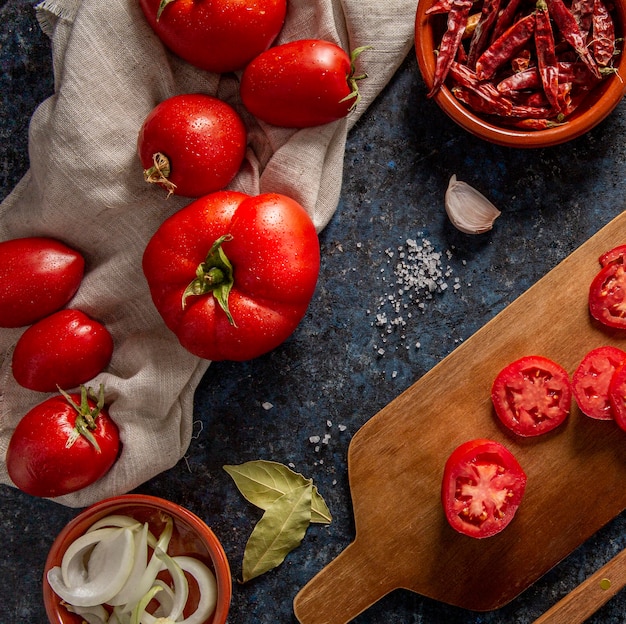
x,y
62,445
216,35
192,144
607,295
64,350
482,488
38,276
592,378
615,255
232,275
532,395
617,396
303,83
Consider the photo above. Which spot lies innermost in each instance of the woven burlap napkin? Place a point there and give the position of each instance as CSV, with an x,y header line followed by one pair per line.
x,y
85,187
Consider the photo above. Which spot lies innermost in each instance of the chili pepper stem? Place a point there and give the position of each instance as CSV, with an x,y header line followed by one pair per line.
x,y
213,275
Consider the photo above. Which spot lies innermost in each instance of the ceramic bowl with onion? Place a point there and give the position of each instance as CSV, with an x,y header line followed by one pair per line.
x,y
590,107
190,539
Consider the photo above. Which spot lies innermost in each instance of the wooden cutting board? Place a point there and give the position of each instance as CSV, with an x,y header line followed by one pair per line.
x,y
576,475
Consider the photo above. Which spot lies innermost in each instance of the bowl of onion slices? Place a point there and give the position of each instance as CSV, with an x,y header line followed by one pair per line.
x,y
137,559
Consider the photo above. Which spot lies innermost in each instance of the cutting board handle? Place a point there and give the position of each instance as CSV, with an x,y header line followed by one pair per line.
x,y
344,588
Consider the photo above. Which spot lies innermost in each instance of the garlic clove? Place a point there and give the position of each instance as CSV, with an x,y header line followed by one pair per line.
x,y
468,209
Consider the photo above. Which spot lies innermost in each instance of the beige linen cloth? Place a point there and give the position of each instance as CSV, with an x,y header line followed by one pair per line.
x,y
85,187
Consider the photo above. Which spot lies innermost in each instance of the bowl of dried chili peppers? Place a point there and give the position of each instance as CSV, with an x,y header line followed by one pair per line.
x,y
523,73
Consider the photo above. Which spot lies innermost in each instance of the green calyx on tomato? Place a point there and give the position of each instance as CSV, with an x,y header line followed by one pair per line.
x,y
352,79
214,275
86,415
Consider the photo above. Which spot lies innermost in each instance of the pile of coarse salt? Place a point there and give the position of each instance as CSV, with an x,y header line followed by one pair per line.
x,y
418,274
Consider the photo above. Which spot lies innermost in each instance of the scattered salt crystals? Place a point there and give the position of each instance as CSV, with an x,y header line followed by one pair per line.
x,y
419,273
342,427
314,439
266,405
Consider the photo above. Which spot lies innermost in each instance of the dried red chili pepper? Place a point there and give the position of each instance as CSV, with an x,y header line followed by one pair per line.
x,y
582,10
503,49
521,60
546,55
568,27
603,45
537,124
482,31
450,42
505,18
574,73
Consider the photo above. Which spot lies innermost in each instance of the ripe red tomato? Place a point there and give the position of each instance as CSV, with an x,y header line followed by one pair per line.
x,y
216,35
617,396
482,488
303,83
38,276
192,144
64,350
592,378
532,395
62,445
232,275
607,295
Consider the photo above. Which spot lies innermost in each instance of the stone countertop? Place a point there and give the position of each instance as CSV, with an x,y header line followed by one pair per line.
x,y
341,366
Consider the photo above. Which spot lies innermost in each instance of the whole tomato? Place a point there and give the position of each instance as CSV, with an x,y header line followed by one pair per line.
x,y
216,35
64,444
303,83
64,350
192,144
38,276
232,275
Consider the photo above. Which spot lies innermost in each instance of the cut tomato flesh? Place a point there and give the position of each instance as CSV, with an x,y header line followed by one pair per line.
x,y
532,395
607,295
592,379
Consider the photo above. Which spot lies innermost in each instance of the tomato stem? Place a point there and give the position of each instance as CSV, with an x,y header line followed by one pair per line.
x,y
159,173
162,6
353,80
86,415
214,275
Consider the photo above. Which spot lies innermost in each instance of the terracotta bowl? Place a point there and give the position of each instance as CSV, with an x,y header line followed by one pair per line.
x,y
595,107
191,537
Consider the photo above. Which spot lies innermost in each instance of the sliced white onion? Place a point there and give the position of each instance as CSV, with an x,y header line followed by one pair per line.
x,y
106,571
92,615
140,564
207,585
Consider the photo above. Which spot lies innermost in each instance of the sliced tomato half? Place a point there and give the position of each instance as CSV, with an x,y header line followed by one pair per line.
x,y
532,395
592,378
607,295
617,396
482,488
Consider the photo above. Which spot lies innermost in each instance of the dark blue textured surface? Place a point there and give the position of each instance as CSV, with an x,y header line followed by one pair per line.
x,y
330,372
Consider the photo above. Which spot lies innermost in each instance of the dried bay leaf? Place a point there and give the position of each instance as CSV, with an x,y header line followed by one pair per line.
x,y
278,532
262,482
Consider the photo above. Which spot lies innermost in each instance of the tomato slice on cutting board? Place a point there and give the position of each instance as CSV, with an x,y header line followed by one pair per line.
x,y
532,395
617,396
482,488
592,378
607,295
613,256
